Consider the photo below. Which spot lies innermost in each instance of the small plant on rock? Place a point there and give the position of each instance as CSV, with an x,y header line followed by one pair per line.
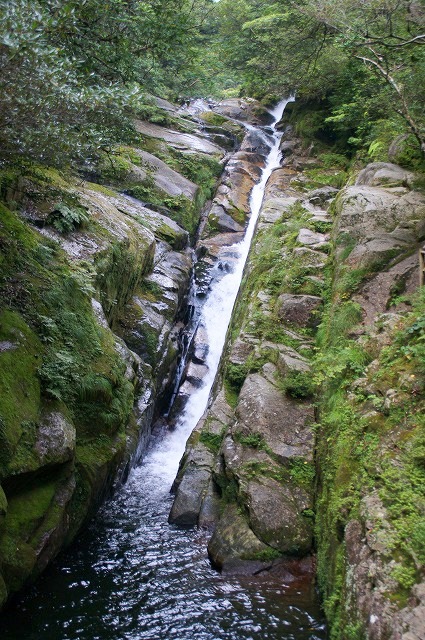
x,y
66,218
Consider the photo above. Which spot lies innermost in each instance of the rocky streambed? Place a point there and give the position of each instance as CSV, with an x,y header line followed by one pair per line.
x,y
274,482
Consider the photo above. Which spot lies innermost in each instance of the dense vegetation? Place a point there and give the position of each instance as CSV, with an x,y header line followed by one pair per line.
x,y
73,73
362,65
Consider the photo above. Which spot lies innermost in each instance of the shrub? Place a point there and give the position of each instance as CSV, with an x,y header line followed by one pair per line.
x,y
298,384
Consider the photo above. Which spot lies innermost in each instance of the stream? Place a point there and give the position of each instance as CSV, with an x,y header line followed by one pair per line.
x,y
133,576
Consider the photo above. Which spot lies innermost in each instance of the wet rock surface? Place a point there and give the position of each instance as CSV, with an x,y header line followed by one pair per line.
x,y
255,444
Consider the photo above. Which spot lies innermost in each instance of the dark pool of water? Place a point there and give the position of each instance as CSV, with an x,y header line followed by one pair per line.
x,y
133,576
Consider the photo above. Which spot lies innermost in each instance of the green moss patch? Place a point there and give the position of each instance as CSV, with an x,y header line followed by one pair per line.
x,y
368,446
20,356
27,518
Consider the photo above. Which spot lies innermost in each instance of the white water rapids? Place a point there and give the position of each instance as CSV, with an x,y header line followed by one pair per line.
x,y
215,317
131,575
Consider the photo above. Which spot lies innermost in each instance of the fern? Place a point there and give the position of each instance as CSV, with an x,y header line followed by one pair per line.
x,y
66,219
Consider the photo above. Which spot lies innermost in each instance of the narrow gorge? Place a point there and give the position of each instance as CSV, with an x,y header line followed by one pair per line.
x,y
303,467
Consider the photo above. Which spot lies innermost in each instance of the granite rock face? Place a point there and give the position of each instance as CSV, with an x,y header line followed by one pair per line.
x,y
380,221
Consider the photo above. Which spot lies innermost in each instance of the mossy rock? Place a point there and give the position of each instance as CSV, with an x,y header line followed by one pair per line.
x,y
3,503
20,351
233,539
18,560
34,510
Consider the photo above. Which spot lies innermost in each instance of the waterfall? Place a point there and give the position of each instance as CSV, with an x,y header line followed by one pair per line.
x,y
215,317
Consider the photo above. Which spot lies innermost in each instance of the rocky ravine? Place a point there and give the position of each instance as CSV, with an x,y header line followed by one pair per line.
x,y
93,288
248,469
94,283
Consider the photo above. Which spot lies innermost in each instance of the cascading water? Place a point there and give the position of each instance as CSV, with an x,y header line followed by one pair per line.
x,y
133,576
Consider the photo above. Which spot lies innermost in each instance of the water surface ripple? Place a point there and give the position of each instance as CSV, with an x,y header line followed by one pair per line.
x,y
132,577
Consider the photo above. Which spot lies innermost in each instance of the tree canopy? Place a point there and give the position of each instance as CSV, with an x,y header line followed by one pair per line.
x,y
366,58
74,72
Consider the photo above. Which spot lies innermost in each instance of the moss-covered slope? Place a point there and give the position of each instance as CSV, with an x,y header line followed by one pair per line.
x,y
370,372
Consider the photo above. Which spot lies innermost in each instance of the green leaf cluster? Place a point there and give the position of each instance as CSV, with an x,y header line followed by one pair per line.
x,y
73,73
360,64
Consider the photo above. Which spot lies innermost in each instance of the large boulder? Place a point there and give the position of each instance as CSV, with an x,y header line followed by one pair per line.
x,y
310,258
276,515
195,499
233,540
378,224
193,487
282,423
380,174
163,176
300,310
322,196
275,208
187,142
162,226
311,238
56,439
243,109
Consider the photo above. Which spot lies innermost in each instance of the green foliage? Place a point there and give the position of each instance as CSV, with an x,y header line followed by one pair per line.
x,y
236,374
254,440
66,219
214,118
332,160
74,357
301,472
96,387
74,72
178,208
229,488
320,178
405,576
255,469
298,384
114,168
267,555
358,456
365,91
212,440
119,270
151,290
230,394
339,319
19,386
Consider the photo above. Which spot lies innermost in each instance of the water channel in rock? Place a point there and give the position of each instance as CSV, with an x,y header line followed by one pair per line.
x,y
131,575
